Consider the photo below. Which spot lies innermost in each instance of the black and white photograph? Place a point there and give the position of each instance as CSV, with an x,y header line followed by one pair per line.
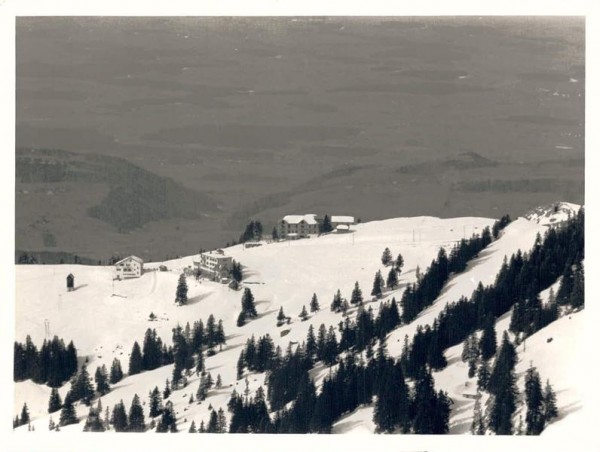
x,y
366,225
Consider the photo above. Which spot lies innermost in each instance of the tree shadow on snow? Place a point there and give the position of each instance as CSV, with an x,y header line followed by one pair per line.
x,y
263,314
197,298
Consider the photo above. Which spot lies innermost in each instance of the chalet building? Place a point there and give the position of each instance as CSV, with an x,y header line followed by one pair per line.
x,y
130,267
345,220
214,264
298,226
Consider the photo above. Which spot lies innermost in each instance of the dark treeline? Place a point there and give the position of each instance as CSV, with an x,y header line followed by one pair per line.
x,y
52,364
353,384
419,410
187,342
423,293
261,355
500,224
518,284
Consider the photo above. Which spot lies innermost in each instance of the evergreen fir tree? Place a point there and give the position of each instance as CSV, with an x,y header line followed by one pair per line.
x,y
326,225
483,375
94,423
392,279
221,421
199,363
393,401
136,421
119,417
181,296
314,303
55,403
356,297
281,317
220,336
478,424
85,389
213,423
336,304
248,306
330,351
155,402
502,386
240,366
487,343
168,422
25,415
167,390
101,379
67,414
311,343
534,418
116,373
345,306
303,314
424,405
106,418
202,391
219,382
576,297
549,403
386,257
377,285
211,331
135,360
236,272
321,339
399,263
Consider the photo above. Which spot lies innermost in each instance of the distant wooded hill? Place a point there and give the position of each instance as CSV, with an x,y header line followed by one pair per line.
x,y
135,197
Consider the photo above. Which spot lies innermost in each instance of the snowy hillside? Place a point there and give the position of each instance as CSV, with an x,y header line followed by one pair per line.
x,y
104,318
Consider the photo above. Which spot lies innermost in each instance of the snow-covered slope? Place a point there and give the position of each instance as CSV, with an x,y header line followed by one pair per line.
x,y
104,320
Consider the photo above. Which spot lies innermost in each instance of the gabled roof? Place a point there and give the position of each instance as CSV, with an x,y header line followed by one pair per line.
x,y
295,219
342,219
134,258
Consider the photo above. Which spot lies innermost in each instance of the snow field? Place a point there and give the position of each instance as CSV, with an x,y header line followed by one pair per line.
x,y
104,323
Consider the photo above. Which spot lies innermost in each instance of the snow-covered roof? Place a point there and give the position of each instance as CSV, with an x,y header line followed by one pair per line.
x,y
343,227
309,218
342,219
134,258
216,254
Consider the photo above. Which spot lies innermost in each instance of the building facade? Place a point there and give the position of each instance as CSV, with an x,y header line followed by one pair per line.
x,y
130,267
214,264
298,226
